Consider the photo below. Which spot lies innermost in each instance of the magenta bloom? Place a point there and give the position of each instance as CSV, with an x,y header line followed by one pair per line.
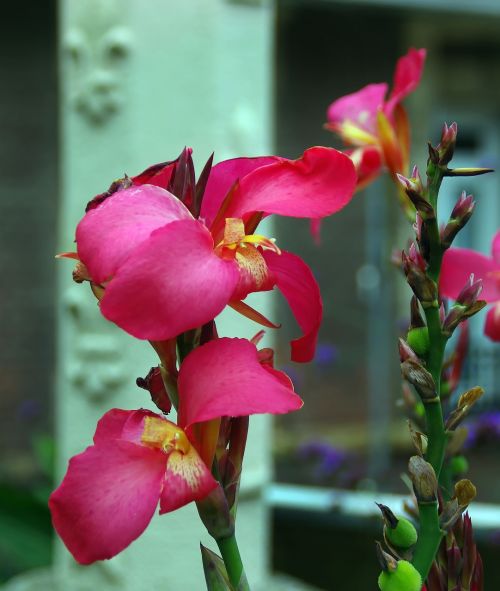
x,y
369,120
140,459
459,264
166,272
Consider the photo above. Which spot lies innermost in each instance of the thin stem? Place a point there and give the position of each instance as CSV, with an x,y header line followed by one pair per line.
x,y
234,566
429,538
430,533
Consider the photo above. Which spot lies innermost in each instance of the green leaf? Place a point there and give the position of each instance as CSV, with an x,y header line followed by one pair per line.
x,y
215,571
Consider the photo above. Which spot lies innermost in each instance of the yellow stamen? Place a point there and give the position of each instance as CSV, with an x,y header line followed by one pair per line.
x,y
235,237
164,435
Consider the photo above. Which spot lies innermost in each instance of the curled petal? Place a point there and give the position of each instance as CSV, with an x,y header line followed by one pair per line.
x,y
224,378
108,234
406,77
359,108
171,283
158,174
222,177
492,324
459,264
297,283
187,479
318,184
107,498
368,164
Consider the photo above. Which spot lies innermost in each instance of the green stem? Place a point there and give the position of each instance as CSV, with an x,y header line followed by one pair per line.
x,y
429,538
430,533
234,566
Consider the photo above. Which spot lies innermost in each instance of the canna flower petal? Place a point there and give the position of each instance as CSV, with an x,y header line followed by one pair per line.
x,y
110,426
224,378
459,264
108,234
492,324
359,108
222,177
187,479
157,174
407,77
171,283
318,184
107,498
297,283
368,164
495,248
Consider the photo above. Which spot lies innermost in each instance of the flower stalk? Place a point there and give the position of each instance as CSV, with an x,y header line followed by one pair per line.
x,y
424,369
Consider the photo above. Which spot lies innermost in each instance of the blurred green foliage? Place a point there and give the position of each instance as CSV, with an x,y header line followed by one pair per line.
x,y
25,526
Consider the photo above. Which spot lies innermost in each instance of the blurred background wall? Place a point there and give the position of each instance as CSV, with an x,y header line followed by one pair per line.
x,y
238,77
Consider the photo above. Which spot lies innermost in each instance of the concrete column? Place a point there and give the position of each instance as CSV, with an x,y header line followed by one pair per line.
x,y
139,81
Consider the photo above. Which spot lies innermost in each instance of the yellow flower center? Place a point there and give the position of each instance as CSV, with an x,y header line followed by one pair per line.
x,y
164,435
235,239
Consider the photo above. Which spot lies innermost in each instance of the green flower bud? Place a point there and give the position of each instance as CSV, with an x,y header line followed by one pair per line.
x,y
420,409
404,535
459,465
418,339
405,578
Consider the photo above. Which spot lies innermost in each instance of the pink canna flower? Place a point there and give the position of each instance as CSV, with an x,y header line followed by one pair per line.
x,y
165,271
368,120
140,459
459,264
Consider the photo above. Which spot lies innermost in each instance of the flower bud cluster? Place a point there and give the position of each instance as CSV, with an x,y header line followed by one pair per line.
x,y
424,288
460,215
466,305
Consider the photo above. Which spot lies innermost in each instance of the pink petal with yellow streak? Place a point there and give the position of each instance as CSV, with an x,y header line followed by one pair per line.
x,y
359,107
107,235
171,283
224,378
407,77
107,498
492,324
297,283
222,177
122,424
318,184
187,479
459,264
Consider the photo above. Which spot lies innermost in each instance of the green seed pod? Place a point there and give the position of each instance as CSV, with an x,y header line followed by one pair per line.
x,y
418,339
405,578
459,465
404,535
420,409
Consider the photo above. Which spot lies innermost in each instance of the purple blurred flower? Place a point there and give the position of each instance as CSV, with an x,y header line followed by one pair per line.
x,y
483,428
326,354
328,458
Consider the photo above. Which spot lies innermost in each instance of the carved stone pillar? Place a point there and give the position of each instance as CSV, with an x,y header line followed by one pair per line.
x,y
139,81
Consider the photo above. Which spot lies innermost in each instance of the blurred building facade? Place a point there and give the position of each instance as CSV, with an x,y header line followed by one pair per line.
x,y
134,87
